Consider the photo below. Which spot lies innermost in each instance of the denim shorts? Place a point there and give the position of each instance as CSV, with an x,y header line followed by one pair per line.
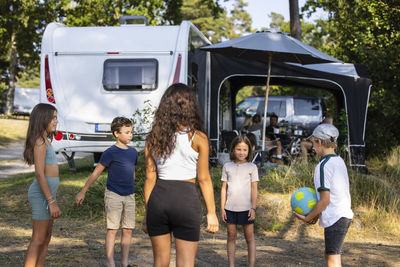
x,y
334,236
238,217
40,208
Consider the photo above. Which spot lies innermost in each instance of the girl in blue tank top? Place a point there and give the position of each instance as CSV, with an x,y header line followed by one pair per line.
x,y
42,192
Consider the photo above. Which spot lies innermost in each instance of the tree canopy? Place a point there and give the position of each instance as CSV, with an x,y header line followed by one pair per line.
x,y
368,32
22,23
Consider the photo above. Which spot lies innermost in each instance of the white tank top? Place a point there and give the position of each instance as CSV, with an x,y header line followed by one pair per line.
x,y
182,163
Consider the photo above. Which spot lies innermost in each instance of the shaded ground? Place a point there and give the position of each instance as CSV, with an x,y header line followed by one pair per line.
x,y
81,243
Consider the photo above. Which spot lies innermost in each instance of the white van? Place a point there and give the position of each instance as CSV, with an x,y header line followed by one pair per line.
x,y
303,111
25,99
93,74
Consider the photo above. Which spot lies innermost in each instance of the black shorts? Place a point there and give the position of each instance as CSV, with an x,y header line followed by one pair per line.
x,y
334,236
238,217
174,206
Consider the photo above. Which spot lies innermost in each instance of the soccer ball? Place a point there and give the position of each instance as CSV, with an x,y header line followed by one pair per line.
x,y
303,200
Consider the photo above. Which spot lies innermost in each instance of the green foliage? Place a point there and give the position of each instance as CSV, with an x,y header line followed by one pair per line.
x,y
277,20
107,12
341,124
368,32
240,20
250,91
29,78
26,20
93,205
214,22
22,23
199,13
142,119
3,94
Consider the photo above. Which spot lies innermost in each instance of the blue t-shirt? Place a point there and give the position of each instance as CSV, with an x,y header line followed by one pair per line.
x,y
121,169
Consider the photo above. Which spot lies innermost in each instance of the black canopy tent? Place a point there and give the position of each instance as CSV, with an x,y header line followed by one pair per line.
x,y
351,89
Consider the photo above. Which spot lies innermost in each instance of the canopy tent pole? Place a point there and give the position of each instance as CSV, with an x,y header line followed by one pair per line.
x,y
266,102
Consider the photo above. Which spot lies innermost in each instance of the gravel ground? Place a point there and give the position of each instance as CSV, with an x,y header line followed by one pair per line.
x,y
12,163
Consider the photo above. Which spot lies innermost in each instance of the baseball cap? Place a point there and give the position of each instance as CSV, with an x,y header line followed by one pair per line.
x,y
326,132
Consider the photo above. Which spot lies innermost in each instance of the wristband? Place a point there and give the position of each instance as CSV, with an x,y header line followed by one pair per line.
x,y
51,202
253,209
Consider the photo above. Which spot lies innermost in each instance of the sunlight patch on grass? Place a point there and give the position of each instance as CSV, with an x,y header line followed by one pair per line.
x,y
374,220
76,183
12,130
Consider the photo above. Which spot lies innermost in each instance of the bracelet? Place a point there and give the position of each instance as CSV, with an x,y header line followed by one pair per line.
x,y
51,202
50,198
253,209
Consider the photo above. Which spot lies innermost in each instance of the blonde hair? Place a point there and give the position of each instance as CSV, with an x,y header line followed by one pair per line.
x,y
327,143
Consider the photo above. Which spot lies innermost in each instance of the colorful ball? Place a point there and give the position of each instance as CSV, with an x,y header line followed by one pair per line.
x,y
303,200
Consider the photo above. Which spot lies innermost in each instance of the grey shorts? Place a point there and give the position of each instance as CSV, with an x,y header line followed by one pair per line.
x,y
334,236
40,208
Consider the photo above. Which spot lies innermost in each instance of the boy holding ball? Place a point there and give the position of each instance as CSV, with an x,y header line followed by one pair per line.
x,y
332,185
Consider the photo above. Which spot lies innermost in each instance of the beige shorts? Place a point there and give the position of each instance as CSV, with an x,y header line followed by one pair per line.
x,y
120,210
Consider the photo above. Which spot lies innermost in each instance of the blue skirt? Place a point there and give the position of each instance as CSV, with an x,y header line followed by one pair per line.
x,y
40,208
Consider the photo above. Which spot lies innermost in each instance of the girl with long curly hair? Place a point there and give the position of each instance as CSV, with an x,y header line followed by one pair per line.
x,y
177,152
42,192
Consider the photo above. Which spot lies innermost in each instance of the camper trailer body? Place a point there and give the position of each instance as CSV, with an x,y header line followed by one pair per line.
x,y
93,74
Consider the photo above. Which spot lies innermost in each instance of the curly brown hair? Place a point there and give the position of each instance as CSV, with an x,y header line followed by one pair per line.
x,y
178,108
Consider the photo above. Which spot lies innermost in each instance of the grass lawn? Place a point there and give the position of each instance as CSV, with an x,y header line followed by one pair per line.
x,y
12,130
78,236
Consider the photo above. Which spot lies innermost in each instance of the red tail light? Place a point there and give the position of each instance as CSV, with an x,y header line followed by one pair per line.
x,y
71,136
58,136
177,69
49,88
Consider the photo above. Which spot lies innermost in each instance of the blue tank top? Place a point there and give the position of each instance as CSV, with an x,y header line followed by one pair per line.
x,y
50,156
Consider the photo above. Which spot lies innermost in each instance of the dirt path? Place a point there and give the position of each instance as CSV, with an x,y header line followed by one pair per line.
x,y
12,163
81,243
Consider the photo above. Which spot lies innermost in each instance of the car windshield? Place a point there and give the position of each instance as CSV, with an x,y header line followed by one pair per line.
x,y
248,106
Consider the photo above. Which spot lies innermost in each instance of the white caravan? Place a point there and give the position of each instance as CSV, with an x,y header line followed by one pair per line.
x,y
25,99
93,74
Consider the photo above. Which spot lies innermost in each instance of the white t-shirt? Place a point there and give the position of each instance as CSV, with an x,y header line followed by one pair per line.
x,y
182,163
331,174
239,178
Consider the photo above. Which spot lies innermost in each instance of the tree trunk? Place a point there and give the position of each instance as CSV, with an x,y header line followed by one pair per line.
x,y
12,71
295,25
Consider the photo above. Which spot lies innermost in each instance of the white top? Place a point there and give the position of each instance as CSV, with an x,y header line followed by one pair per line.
x,y
239,178
331,174
182,163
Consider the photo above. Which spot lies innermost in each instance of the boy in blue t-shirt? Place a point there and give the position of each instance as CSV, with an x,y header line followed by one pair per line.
x,y
120,159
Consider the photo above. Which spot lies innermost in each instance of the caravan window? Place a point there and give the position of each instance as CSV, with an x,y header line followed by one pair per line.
x,y
130,74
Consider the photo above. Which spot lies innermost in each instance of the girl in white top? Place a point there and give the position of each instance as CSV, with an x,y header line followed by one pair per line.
x,y
176,152
239,197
